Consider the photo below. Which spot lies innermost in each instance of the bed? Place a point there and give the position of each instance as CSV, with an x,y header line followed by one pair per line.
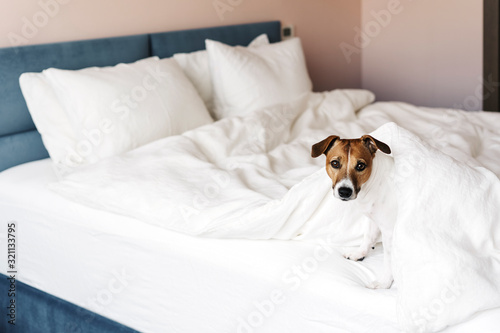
x,y
221,221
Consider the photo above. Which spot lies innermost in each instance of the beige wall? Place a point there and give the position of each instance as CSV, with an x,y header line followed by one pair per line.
x,y
426,52
322,25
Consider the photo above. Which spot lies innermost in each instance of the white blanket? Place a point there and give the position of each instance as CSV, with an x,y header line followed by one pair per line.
x,y
446,250
241,177
253,177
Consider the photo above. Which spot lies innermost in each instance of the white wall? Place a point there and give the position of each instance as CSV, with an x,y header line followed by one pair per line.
x,y
425,52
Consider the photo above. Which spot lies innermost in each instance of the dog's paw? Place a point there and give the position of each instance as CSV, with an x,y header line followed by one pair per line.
x,y
380,285
355,256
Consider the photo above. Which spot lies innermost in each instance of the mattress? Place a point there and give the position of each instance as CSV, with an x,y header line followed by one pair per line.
x,y
156,280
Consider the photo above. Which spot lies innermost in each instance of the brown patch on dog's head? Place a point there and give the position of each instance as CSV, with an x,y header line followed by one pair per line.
x,y
323,146
373,144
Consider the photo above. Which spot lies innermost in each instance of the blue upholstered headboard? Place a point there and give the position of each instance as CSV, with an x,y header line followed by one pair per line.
x,y
20,142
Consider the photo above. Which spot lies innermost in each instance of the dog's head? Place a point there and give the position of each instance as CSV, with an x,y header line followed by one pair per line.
x,y
348,162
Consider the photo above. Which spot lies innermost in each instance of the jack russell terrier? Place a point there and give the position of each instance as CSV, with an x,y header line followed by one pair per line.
x,y
357,173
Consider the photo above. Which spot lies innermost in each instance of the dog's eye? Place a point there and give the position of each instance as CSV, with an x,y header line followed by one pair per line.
x,y
335,164
360,166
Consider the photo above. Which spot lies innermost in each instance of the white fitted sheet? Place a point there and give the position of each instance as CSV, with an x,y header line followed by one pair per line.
x,y
156,280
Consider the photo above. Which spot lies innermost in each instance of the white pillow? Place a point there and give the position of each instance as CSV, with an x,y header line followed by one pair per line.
x,y
51,121
93,113
246,79
195,66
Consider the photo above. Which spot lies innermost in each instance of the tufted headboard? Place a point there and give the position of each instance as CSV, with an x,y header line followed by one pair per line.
x,y
20,142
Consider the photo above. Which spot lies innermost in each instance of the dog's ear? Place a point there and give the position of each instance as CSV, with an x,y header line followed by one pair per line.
x,y
324,146
373,144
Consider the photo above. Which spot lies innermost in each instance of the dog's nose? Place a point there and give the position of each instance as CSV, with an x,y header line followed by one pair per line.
x,y
345,192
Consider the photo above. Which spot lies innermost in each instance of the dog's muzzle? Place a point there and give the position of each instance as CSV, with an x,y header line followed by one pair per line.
x,y
344,190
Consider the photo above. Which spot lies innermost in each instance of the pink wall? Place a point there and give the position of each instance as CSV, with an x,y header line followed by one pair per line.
x,y
425,52
321,24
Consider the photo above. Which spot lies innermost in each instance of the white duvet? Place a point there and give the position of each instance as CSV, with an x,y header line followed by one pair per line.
x,y
253,177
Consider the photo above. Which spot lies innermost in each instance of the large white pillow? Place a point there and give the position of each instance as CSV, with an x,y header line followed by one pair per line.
x,y
246,79
195,66
93,113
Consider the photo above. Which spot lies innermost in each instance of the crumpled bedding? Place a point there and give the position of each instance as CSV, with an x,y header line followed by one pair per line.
x,y
446,250
253,177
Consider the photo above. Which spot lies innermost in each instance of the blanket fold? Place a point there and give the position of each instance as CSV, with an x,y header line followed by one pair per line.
x,y
446,247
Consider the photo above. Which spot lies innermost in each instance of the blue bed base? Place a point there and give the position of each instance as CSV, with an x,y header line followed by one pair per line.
x,y
20,142
36,311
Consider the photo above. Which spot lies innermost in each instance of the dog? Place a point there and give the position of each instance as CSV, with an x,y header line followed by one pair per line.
x,y
357,172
